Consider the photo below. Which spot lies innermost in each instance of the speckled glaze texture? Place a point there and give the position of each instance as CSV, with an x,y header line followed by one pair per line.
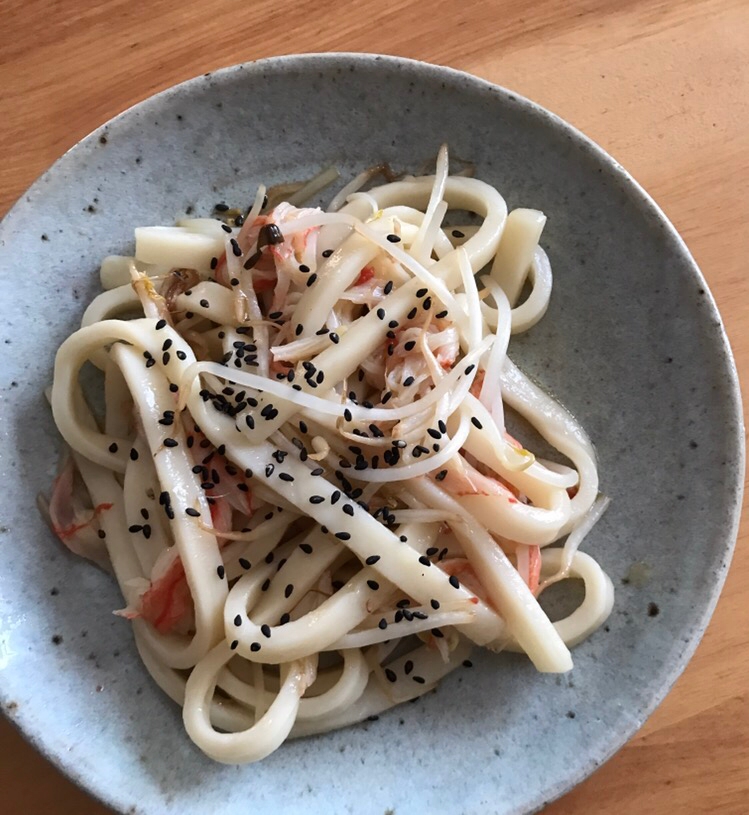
x,y
632,344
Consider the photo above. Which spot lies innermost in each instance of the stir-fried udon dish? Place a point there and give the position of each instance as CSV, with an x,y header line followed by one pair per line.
x,y
297,465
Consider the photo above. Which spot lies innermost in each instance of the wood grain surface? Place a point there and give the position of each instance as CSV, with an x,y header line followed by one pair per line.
x,y
662,85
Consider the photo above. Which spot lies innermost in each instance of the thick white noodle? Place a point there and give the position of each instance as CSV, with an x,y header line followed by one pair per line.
x,y
287,500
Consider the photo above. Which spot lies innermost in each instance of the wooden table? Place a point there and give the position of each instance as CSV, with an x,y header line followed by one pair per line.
x,y
662,85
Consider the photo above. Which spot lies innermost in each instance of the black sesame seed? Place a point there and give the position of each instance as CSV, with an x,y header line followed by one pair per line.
x,y
469,369
193,513
214,263
303,268
113,447
441,315
221,572
427,304
437,633
432,550
409,380
348,509
335,496
394,238
238,620
236,248
372,559
380,313
343,536
408,667
476,423
411,314
454,582
286,477
265,630
373,584
334,338
435,434
410,345
441,475
285,617
435,604
255,646
298,330
327,253
306,548
419,679
311,280
424,560
275,315
134,528
244,563
421,292
288,590
467,663
383,624
205,303
390,674
173,388
170,442
388,287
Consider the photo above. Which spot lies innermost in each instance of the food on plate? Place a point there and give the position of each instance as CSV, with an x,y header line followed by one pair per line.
x,y
302,477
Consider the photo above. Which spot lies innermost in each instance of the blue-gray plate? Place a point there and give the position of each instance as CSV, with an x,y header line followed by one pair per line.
x,y
632,344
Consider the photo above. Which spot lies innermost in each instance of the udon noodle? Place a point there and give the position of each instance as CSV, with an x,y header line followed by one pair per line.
x,y
302,478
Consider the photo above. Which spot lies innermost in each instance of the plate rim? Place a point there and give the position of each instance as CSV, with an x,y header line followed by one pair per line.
x,y
645,202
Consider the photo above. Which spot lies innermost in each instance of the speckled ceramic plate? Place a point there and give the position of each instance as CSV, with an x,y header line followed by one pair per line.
x,y
632,343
